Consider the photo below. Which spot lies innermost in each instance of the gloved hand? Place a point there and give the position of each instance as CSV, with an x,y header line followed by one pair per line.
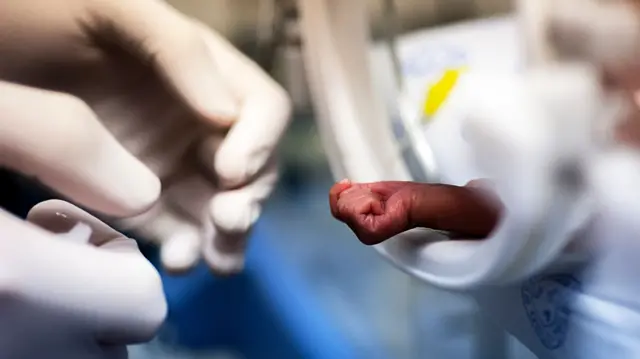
x,y
61,299
84,295
81,297
199,114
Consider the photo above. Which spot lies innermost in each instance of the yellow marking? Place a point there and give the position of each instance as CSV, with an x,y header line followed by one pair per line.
x,y
439,91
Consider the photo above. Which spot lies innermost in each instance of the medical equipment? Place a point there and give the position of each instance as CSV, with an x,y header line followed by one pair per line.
x,y
363,147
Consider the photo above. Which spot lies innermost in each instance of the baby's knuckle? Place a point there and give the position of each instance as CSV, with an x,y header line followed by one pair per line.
x,y
343,208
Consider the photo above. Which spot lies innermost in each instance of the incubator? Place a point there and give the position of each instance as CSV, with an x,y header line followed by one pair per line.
x,y
496,99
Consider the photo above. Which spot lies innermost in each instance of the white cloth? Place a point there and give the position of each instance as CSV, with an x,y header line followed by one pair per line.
x,y
558,272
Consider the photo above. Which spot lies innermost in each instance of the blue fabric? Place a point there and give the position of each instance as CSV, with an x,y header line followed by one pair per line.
x,y
266,312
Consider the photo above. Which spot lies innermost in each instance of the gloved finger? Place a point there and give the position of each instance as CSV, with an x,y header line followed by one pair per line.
x,y
262,119
232,214
181,250
175,222
252,140
157,32
234,211
44,267
62,217
225,255
59,140
178,236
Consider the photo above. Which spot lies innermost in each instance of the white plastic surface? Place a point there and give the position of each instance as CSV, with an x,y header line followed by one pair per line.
x,y
357,133
352,119
577,308
491,52
489,49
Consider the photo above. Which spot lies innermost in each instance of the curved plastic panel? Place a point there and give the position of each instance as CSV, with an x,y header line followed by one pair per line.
x,y
359,134
351,118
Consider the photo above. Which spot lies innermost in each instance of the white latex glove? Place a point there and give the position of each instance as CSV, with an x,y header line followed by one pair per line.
x,y
86,296
71,300
168,88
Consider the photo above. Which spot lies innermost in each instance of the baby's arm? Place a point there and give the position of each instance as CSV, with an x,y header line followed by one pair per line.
x,y
380,210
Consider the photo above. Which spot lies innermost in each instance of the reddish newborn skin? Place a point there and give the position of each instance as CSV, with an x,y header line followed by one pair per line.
x,y
378,211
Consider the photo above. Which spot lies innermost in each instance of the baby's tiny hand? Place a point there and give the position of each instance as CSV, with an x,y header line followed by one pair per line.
x,y
374,211
378,211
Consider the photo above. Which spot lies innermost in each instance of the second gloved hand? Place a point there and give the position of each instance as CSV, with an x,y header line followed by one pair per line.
x,y
73,287
203,117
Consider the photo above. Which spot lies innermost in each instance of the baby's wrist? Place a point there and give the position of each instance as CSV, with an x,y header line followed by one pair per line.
x,y
462,210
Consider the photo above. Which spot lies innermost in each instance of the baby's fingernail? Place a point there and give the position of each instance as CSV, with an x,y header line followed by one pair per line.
x,y
345,181
482,183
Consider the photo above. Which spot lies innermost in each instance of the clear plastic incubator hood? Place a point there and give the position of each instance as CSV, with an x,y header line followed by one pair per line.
x,y
383,111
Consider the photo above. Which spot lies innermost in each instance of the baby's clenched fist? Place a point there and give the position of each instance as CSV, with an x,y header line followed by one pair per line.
x,y
378,211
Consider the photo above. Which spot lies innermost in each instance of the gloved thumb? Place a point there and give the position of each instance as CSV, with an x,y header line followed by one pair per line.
x,y
43,266
72,223
154,30
58,139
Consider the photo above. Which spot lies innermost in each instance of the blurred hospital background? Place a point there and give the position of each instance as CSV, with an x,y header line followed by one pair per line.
x,y
311,290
